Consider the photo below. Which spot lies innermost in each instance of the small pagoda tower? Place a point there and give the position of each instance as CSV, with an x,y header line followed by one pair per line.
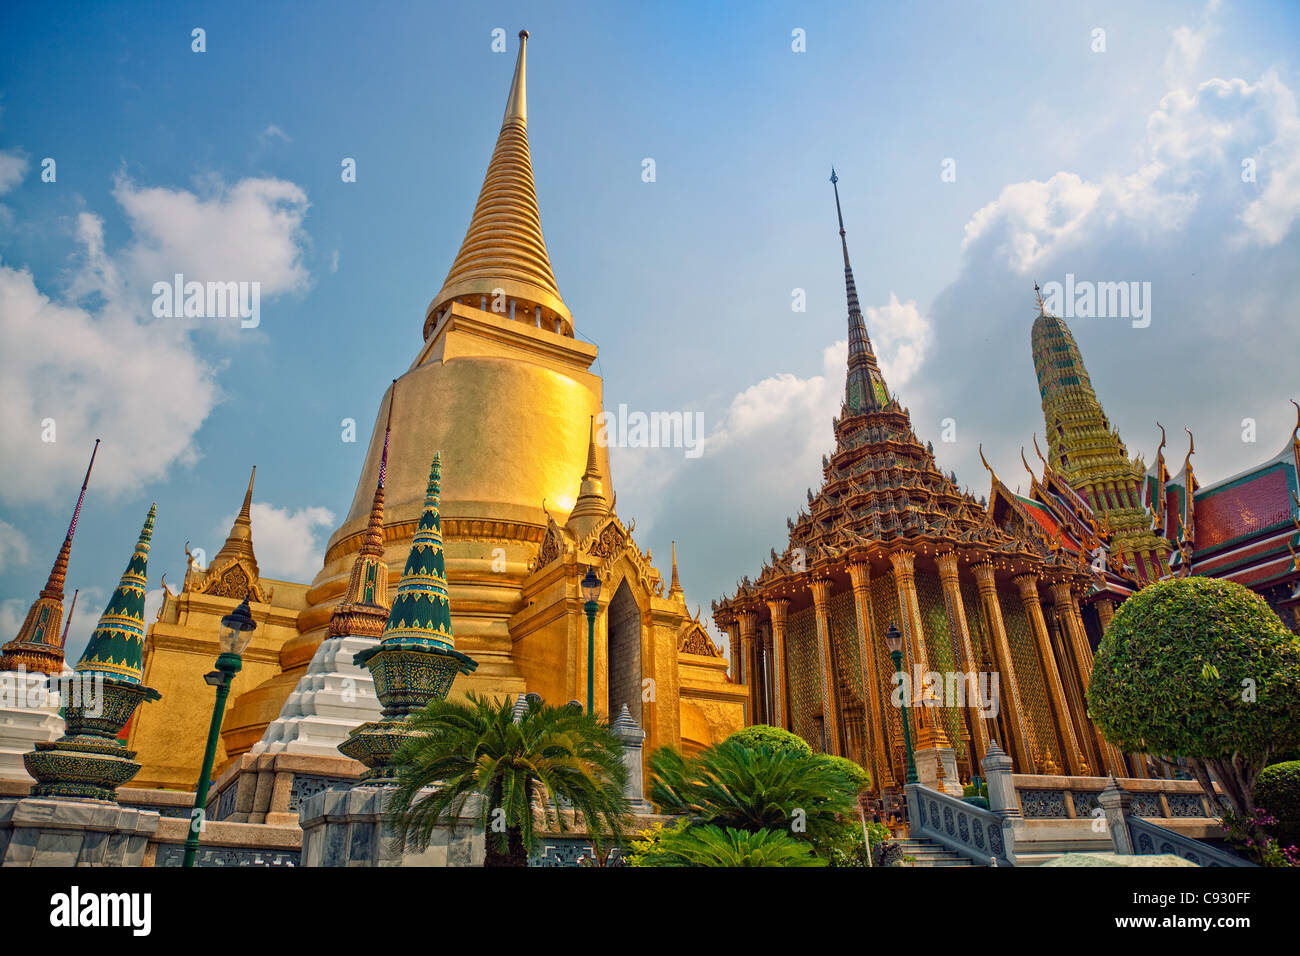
x,y
337,694
89,761
416,661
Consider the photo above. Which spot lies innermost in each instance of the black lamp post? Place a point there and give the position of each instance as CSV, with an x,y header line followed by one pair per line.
x,y
236,632
590,597
895,642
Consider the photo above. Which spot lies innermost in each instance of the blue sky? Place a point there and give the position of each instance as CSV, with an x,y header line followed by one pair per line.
x,y
1120,164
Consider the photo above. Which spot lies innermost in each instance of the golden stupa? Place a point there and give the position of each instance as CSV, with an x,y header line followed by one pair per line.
x,y
503,389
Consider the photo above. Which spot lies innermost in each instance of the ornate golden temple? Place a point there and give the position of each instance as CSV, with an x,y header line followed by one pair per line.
x,y
503,388
889,539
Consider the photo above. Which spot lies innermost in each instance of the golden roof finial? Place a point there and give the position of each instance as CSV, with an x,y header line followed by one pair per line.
x,y
239,543
1039,453
676,586
591,505
986,463
1023,461
504,253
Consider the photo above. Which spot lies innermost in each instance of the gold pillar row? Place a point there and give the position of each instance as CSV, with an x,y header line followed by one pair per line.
x,y
1021,743
779,608
873,705
733,634
956,609
1074,693
1068,608
748,621
821,590
1105,611
1028,584
910,608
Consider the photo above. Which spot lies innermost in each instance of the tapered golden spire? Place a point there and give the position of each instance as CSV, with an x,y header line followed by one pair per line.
x,y
675,588
239,543
591,505
503,265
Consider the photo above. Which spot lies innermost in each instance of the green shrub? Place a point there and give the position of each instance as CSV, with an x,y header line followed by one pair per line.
x,y
1202,669
708,845
773,738
858,778
1278,791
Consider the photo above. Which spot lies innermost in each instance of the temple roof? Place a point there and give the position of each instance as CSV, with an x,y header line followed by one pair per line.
x,y
116,646
504,251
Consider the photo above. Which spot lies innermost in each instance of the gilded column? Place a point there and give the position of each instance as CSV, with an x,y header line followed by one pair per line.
x,y
821,590
1105,611
956,609
1020,742
748,621
763,649
733,635
872,699
1028,584
1073,691
913,635
1068,608
779,608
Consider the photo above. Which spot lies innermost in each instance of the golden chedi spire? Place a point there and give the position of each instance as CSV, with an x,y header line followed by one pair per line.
x,y
239,543
503,264
365,606
591,505
38,646
675,588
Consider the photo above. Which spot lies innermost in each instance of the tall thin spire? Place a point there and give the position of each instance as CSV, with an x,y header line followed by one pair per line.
x,y
239,543
37,646
864,387
503,265
363,612
591,505
675,587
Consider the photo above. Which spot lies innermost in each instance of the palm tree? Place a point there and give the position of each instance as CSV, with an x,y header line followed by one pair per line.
x,y
753,789
521,766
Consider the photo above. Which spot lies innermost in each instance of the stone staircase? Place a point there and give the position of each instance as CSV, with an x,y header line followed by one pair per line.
x,y
929,853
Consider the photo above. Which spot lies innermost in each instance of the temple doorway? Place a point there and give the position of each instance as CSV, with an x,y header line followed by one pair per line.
x,y
624,654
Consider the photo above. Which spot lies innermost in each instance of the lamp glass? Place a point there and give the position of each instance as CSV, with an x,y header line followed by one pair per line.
x,y
893,639
590,586
236,634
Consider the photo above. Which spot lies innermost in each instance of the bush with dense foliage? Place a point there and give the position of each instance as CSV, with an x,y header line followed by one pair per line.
x,y
708,845
522,767
773,738
1278,792
857,777
1202,669
734,786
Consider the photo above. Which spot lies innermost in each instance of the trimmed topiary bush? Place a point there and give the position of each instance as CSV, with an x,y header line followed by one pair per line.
x,y
1201,669
859,778
773,738
1278,792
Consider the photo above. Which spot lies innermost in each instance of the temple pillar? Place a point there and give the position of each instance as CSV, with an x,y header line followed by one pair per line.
x,y
882,776
956,610
1020,740
748,622
1068,609
821,590
733,637
779,608
1028,584
913,634
763,651
1105,611
1073,692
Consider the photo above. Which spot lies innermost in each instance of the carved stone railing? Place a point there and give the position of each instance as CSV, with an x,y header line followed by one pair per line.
x,y
1132,835
964,828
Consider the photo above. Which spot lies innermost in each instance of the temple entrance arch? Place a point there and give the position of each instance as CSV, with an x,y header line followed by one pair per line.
x,y
624,654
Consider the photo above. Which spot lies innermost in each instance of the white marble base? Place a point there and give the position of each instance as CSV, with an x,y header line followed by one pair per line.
x,y
25,720
927,769
332,698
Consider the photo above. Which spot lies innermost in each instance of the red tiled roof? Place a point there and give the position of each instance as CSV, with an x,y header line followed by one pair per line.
x,y
1242,509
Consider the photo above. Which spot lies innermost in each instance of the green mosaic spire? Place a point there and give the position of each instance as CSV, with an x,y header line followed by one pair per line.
x,y
421,612
116,647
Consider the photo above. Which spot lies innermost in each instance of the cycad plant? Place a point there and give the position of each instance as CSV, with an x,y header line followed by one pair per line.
x,y
753,789
707,845
521,766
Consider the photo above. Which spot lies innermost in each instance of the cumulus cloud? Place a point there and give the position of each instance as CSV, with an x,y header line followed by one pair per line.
x,y
13,166
95,363
15,549
289,543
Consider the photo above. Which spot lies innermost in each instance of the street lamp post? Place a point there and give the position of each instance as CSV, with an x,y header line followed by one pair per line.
x,y
590,597
236,631
895,642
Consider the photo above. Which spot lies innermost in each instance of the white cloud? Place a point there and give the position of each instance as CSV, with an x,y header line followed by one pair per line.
x,y
289,543
15,549
901,336
99,365
13,166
